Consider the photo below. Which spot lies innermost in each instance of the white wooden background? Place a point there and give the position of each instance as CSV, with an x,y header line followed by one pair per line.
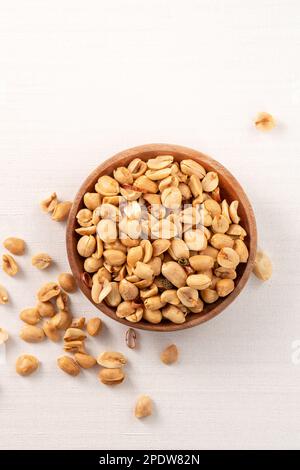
x,y
81,80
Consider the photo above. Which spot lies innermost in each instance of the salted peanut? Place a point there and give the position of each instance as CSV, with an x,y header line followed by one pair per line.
x,y
160,162
111,360
242,250
171,198
195,239
264,121
61,320
78,323
224,287
45,309
128,291
154,303
116,245
9,265
92,200
113,299
262,266
220,240
41,261
137,167
136,316
114,257
101,275
195,186
237,231
201,262
164,229
190,167
225,210
152,316
198,281
206,218
94,326
143,271
111,376
68,365
49,204
62,301
48,291
86,230
169,182
107,230
143,407
85,217
174,273
61,211
3,336
188,296
160,246
134,255
85,360
115,200
67,282
150,292
185,191
209,295
225,273
130,194
125,309
130,227
123,175
91,265
15,245
228,258
169,355
190,216
30,316
145,185
107,186
74,334
210,251
74,346
220,224
198,308
233,208
146,245
178,250
169,296
3,295
213,207
133,210
26,364
100,290
174,314
86,245
210,181
99,248
51,332
109,211
153,199
158,175
155,264
32,334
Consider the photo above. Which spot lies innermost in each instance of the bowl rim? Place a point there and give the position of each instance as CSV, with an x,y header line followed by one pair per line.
x,y
135,152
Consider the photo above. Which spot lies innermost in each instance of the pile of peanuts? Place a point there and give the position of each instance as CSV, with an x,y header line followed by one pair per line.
x,y
158,241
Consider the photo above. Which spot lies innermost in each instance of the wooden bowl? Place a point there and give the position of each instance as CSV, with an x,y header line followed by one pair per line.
x,y
230,189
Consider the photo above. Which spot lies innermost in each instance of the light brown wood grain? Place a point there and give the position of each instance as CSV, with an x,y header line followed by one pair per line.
x,y
230,189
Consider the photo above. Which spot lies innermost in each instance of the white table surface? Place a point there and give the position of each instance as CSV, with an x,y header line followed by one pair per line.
x,y
82,80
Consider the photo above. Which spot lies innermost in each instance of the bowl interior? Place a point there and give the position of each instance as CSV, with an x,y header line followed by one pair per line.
x,y
230,190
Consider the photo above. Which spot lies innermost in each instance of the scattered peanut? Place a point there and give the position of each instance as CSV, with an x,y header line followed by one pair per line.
x,y
68,365
3,335
169,355
67,282
9,265
26,364
41,260
15,245
3,295
262,266
264,121
143,407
